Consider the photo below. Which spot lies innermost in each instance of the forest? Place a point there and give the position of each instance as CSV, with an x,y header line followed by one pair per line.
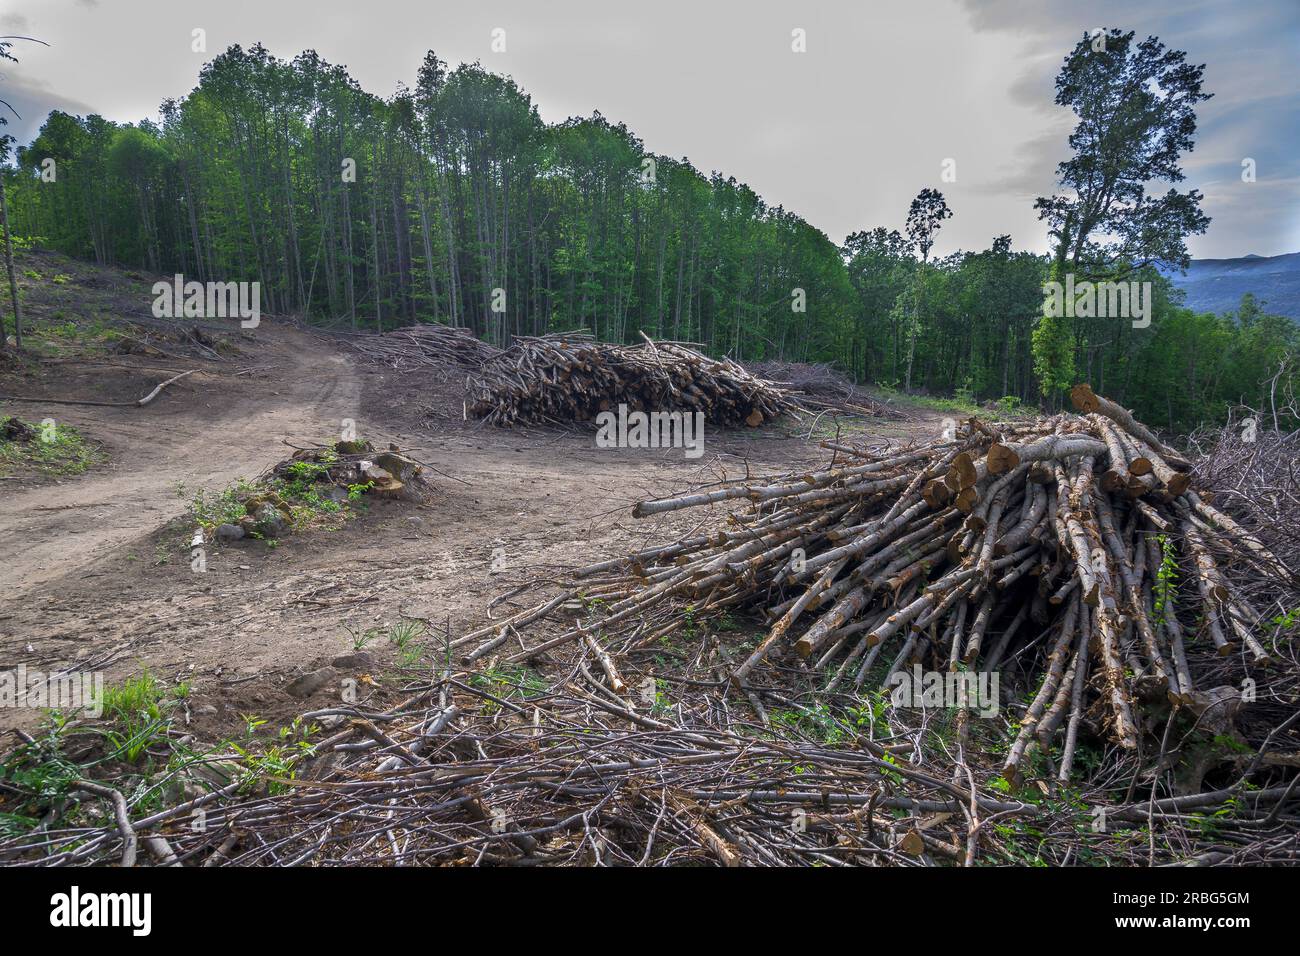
x,y
452,202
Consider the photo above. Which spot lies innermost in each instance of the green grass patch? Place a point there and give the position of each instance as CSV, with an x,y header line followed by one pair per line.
x,y
302,492
55,451
961,402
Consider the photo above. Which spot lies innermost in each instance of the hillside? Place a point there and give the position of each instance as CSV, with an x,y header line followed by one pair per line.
x,y
1217,285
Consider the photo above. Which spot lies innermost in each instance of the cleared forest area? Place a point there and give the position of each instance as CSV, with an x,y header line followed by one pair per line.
x,y
407,481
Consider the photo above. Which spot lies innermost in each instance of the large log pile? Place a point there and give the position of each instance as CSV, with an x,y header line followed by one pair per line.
x,y
571,377
1073,546
426,346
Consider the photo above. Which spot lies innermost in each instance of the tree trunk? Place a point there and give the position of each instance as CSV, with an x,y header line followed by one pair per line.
x,y
9,267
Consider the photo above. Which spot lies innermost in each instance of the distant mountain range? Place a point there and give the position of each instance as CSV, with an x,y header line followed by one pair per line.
x,y
1217,285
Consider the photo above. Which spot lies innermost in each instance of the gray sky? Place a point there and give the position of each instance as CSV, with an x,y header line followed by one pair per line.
x,y
844,134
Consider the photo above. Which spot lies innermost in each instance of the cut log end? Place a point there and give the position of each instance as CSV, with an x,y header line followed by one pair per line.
x,y
1001,459
937,493
1084,398
963,468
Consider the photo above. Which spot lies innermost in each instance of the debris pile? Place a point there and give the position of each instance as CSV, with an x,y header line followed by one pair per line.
x,y
1073,549
426,346
471,772
352,464
564,377
570,377
462,776
821,387
323,479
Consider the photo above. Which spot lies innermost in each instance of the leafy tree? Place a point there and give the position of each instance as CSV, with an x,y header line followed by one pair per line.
x,y
879,264
1136,108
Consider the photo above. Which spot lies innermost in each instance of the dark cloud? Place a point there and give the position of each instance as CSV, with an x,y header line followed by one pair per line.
x,y
32,101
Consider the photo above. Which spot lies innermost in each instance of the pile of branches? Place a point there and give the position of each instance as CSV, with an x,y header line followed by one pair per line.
x,y
460,775
426,346
469,771
820,386
1253,463
1072,548
570,377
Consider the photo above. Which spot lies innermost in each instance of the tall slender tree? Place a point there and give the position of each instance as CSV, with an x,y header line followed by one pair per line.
x,y
5,141
924,219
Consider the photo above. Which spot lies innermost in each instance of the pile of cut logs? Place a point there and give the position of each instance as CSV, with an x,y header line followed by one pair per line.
x,y
571,377
1070,548
426,346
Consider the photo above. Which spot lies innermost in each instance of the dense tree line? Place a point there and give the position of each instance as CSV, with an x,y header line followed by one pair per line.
x,y
453,202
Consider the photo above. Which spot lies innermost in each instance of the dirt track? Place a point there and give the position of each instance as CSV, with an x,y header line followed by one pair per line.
x,y
207,431
103,575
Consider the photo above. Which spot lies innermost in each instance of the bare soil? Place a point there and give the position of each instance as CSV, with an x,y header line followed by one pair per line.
x,y
97,568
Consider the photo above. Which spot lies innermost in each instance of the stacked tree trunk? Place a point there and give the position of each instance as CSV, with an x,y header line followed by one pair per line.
x,y
572,378
1071,548
426,346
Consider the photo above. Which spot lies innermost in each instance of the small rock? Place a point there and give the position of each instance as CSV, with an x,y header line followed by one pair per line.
x,y
270,521
229,532
308,684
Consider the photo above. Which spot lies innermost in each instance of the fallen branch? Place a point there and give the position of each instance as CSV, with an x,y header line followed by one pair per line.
x,y
139,403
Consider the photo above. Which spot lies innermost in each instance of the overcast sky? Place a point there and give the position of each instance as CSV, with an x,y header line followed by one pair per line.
x,y
844,134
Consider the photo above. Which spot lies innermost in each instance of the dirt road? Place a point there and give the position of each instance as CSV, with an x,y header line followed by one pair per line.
x,y
207,431
100,565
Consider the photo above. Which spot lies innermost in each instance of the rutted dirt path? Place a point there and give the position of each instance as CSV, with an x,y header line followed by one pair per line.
x,y
103,579
207,431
